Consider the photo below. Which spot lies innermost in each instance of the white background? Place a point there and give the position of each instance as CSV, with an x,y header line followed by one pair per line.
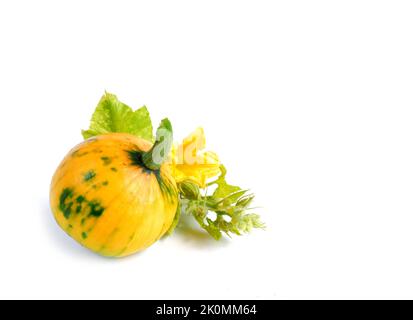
x,y
308,103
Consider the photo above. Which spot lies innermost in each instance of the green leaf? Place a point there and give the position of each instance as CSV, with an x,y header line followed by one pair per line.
x,y
224,189
111,115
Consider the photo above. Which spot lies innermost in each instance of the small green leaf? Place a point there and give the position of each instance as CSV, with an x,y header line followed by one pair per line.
x,y
111,115
224,189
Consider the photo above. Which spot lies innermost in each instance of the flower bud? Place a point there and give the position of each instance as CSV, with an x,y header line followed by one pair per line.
x,y
189,190
245,201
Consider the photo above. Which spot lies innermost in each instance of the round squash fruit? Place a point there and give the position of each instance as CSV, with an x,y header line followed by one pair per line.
x,y
110,197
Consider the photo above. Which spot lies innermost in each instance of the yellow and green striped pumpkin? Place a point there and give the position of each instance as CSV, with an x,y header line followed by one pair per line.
x,y
104,196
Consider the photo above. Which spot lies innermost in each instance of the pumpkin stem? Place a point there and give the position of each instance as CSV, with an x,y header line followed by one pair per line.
x,y
154,158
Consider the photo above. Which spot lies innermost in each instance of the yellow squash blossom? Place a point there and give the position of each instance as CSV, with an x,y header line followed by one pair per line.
x,y
189,160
